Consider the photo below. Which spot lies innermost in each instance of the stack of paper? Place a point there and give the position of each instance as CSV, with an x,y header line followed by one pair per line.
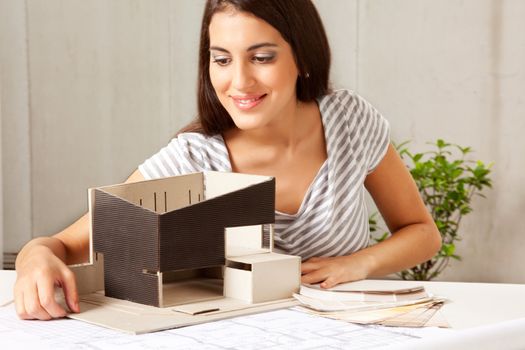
x,y
382,302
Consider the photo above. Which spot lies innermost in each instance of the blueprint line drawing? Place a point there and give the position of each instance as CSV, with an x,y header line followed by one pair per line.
x,y
280,329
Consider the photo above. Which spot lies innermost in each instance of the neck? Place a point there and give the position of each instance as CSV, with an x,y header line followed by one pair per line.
x,y
286,132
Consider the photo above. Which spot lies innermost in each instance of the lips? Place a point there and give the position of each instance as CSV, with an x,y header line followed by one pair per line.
x,y
247,102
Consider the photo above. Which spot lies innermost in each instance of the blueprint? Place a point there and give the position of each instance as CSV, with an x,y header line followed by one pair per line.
x,y
281,329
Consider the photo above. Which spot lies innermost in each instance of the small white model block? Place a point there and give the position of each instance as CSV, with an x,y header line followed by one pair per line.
x,y
262,277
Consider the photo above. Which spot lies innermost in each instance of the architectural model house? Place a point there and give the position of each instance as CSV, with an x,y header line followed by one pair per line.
x,y
191,244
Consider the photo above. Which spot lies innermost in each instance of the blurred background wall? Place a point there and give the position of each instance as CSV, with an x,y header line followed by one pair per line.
x,y
1,188
89,89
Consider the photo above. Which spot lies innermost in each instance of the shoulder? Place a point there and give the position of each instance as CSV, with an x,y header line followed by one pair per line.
x,y
208,152
347,108
195,143
187,153
196,138
345,103
346,115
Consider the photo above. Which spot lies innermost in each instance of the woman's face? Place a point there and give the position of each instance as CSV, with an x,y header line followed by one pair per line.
x,y
252,69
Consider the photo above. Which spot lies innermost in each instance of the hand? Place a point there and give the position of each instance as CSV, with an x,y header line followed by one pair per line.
x,y
38,274
331,271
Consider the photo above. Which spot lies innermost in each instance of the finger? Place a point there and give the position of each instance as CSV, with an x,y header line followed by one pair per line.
x,y
32,305
19,305
314,259
46,296
314,277
69,286
308,267
329,282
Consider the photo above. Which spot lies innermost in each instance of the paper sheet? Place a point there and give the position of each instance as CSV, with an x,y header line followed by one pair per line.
x,y
339,293
336,305
8,279
282,329
416,308
382,286
425,315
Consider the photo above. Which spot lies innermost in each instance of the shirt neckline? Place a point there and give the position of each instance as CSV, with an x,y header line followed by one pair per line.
x,y
317,176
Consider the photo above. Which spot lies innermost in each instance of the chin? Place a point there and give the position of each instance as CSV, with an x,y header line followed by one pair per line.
x,y
247,125
248,121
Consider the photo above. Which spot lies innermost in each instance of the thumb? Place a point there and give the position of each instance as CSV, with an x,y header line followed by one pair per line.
x,y
69,286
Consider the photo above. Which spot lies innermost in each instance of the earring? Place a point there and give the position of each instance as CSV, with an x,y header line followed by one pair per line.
x,y
307,75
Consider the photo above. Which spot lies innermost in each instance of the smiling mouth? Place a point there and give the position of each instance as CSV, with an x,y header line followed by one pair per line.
x,y
248,102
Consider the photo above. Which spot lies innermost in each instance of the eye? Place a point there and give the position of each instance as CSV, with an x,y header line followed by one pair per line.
x,y
221,60
263,58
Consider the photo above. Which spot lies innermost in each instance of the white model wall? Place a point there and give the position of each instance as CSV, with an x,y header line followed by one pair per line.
x,y
91,88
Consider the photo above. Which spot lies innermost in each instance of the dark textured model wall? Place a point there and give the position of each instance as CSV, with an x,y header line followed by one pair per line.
x,y
133,238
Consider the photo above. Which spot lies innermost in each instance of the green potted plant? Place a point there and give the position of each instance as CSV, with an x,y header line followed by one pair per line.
x,y
447,182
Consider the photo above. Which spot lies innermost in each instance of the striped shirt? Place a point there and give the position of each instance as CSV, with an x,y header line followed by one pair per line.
x,y
332,219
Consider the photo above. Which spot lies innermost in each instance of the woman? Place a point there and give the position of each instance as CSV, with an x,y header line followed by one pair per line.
x,y
265,108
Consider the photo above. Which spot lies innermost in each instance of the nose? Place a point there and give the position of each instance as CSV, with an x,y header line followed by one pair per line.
x,y
243,77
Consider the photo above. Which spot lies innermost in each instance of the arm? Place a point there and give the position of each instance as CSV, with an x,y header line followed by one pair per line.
x,y
41,265
415,237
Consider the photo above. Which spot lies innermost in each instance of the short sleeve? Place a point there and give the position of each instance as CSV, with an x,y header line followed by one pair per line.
x,y
374,132
181,156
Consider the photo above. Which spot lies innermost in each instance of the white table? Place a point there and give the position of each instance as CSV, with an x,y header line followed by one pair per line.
x,y
477,304
471,305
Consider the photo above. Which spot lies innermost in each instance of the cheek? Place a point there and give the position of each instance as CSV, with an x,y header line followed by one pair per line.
x,y
282,77
219,80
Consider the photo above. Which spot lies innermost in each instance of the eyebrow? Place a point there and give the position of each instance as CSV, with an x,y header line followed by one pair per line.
x,y
251,48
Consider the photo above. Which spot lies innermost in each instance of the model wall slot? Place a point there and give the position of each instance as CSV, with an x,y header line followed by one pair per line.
x,y
238,265
155,202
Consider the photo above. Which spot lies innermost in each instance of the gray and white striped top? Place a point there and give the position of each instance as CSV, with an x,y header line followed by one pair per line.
x,y
332,219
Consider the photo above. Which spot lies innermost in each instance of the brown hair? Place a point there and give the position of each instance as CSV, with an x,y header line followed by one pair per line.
x,y
299,24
